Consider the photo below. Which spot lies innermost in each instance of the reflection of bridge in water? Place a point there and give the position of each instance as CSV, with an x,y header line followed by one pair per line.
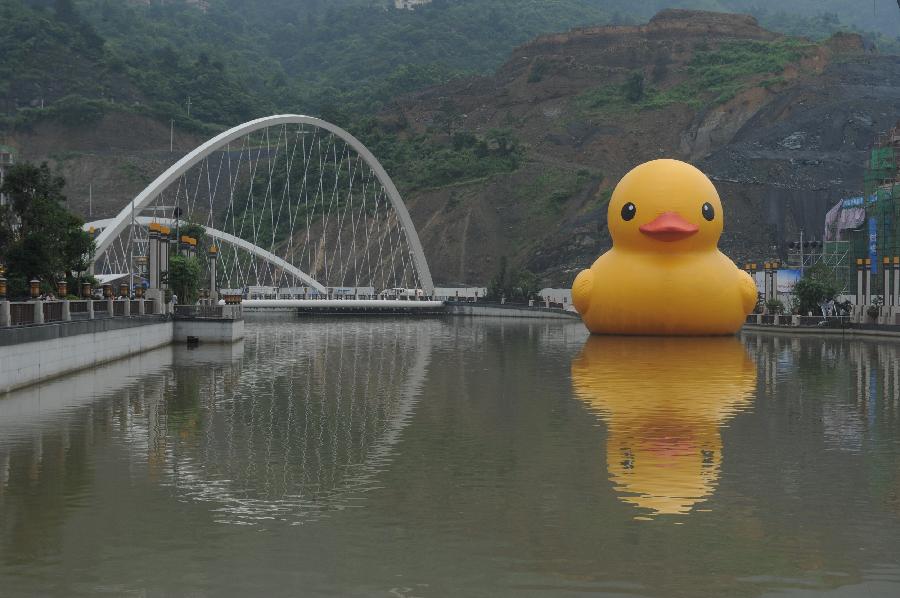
x,y
292,435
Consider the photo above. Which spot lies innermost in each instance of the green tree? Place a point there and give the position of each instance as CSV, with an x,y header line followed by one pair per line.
x,y
634,87
527,285
184,278
448,116
38,237
501,285
818,284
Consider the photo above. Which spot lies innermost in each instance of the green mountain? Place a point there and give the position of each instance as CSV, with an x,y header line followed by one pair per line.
x,y
218,62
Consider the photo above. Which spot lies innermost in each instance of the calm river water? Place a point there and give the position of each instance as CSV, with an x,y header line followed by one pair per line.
x,y
459,457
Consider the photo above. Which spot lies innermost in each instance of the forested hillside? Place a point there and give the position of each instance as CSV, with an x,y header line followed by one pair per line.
x,y
503,132
73,60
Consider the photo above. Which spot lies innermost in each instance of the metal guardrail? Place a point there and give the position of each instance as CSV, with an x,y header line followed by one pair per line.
x,y
802,321
825,322
53,311
27,313
21,314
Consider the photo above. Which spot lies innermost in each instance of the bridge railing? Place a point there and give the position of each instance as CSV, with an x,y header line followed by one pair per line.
x,y
53,311
28,313
21,314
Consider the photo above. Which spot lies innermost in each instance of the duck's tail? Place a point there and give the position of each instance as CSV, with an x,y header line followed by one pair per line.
x,y
582,290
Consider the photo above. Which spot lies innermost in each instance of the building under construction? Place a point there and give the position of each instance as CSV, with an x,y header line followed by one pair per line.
x,y
864,232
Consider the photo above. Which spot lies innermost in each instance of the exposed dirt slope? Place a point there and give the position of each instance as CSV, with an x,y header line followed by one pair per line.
x,y
111,160
783,148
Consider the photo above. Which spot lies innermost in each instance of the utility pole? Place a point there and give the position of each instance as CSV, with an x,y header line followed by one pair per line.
x,y
171,135
90,200
189,107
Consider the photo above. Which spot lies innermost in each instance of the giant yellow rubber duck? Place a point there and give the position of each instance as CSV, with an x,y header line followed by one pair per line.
x,y
664,274
664,402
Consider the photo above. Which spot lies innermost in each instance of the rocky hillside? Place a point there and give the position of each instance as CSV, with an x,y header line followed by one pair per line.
x,y
781,125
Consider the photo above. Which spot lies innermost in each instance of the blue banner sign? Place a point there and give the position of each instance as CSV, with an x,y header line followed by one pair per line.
x,y
873,244
857,202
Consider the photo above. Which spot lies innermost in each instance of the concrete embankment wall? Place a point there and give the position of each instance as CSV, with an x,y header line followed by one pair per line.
x,y
30,354
209,331
36,353
509,311
883,332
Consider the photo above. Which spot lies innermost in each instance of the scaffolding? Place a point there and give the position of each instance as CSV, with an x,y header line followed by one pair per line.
x,y
878,239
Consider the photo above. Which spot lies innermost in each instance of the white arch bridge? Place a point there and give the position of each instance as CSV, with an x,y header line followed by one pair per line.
x,y
290,201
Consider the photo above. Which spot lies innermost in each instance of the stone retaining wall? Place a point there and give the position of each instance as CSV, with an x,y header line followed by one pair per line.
x,y
28,355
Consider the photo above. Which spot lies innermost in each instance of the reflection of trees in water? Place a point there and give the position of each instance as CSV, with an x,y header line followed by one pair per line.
x,y
47,466
307,422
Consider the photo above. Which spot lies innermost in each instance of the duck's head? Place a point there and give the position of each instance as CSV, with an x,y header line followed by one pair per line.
x,y
665,206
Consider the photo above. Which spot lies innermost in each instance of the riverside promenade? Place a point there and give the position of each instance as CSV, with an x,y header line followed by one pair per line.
x,y
855,326
44,339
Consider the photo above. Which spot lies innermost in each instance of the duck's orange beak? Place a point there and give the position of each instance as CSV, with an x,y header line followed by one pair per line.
x,y
669,227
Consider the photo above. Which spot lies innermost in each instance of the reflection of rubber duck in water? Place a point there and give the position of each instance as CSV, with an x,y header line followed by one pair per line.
x,y
663,401
664,274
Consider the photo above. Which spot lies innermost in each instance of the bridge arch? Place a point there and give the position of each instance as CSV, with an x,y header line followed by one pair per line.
x,y
115,226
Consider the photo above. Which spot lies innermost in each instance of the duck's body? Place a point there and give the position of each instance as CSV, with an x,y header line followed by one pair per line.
x,y
664,274
659,294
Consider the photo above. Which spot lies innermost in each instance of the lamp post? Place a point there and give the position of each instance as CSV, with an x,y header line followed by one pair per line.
x,y
213,256
35,286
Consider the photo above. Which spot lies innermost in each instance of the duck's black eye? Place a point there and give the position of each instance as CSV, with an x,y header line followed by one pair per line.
x,y
628,211
708,211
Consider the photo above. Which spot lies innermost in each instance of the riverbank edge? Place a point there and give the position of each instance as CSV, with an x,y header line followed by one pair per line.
x,y
36,354
809,331
509,311
26,363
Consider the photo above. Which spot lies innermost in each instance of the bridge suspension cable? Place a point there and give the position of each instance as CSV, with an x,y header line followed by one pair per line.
x,y
298,191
